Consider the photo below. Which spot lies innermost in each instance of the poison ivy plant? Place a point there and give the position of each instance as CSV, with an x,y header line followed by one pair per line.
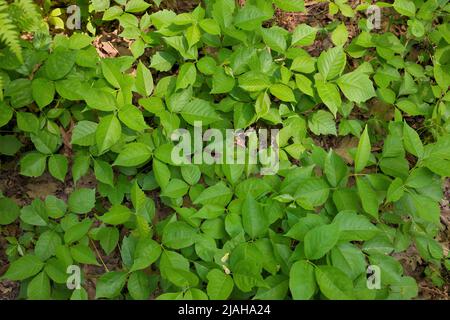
x,y
363,147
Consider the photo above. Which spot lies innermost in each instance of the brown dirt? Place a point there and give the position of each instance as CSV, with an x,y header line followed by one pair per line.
x,y
178,6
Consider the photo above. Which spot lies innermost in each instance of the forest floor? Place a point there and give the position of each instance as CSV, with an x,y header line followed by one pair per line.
x,y
24,190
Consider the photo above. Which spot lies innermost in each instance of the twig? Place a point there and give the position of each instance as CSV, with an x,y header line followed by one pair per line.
x,y
100,257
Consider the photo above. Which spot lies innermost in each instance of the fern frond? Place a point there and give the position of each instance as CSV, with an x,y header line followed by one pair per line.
x,y
1,87
26,15
9,34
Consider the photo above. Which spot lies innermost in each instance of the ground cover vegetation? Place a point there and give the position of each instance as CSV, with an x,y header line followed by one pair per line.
x,y
87,177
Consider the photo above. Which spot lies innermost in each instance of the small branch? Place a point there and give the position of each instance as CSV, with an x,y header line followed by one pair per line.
x,y
99,256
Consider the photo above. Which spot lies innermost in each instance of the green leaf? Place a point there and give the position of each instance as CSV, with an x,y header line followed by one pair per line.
x,y
220,285
330,95
186,76
356,86
140,285
349,259
218,194
411,141
199,110
46,245
395,191
23,268
83,254
178,235
112,13
132,117
354,227
144,80
221,82
304,84
6,114
405,7
303,225
82,200
110,284
335,168
333,283
339,35
84,133
133,154
254,219
233,172
417,28
249,17
111,72
406,288
279,286
210,26
350,127
147,252
39,287
80,167
9,145
275,38
79,294
176,188
191,174
193,35
321,240
108,133
9,211
135,6
312,192
363,151
290,5
109,238
33,164
322,122
246,274
99,99
207,65
426,208
27,122
181,278
396,166
43,91
302,281
304,63
282,92
20,92
56,208
117,214
138,197
104,172
262,105
77,231
35,214
100,5
331,63
368,197
304,35
59,63
162,61
161,172
45,142
58,166
223,12
254,81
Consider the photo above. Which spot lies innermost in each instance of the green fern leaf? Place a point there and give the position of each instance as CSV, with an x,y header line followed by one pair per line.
x,y
25,15
9,34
